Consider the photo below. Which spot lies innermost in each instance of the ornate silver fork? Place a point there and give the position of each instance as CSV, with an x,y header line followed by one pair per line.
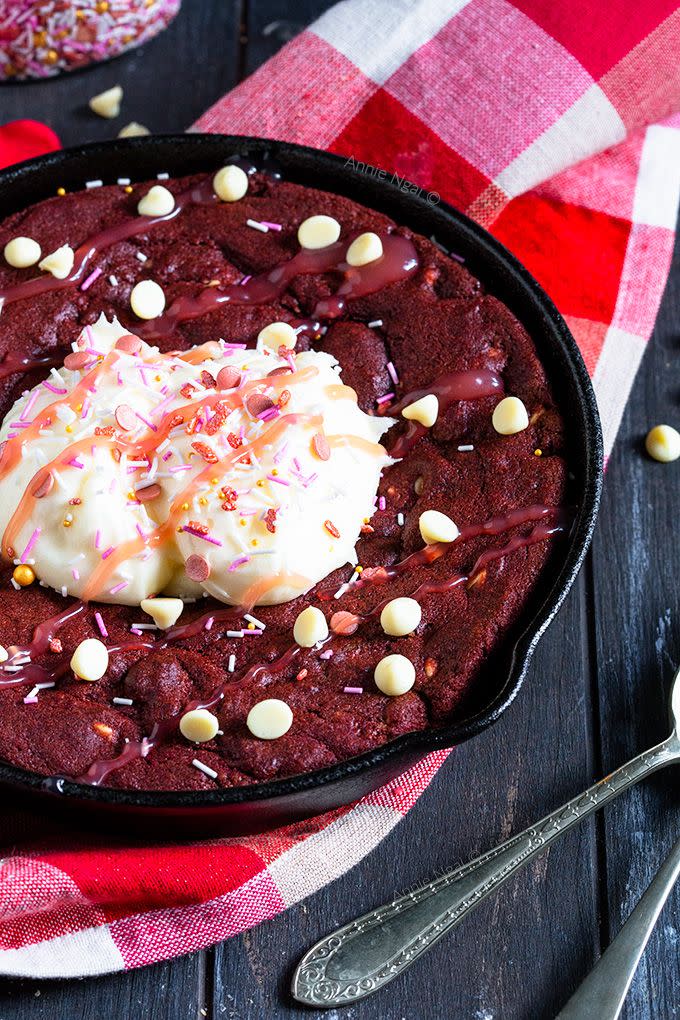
x,y
364,955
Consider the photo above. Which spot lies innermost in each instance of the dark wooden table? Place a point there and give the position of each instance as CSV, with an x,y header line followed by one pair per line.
x,y
596,693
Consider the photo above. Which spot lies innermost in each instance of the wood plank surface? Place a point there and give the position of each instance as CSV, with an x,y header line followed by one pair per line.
x,y
593,697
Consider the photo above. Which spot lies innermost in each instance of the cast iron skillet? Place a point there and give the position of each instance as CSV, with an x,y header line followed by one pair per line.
x,y
250,808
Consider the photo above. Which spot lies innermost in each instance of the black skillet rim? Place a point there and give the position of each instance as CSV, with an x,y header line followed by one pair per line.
x,y
188,153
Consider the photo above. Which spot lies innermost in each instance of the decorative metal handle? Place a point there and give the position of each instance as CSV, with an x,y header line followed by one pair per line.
x,y
603,992
366,954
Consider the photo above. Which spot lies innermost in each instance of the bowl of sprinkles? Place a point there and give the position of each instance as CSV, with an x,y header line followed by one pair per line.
x,y
295,470
41,38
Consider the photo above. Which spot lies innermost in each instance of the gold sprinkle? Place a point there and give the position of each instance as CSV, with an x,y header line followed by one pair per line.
x,y
275,471
203,501
51,57
24,575
251,626
130,494
61,192
67,524
214,481
254,542
185,506
260,482
179,529
242,523
358,569
102,7
69,428
538,453
79,407
128,189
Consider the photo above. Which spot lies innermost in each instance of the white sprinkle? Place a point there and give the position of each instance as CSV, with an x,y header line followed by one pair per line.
x,y
400,520
123,180
162,177
465,448
204,768
93,184
113,280
257,226
231,665
376,322
234,633
141,256
64,591
253,619
123,701
341,591
143,626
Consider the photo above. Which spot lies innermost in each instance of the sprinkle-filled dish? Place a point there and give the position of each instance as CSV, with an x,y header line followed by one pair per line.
x,y
277,476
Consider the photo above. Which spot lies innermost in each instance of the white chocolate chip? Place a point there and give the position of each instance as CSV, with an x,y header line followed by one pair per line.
x,y
158,201
269,719
318,232
663,443
364,249
199,725
425,411
401,616
164,612
21,252
510,416
4,654
310,627
277,334
90,660
147,299
107,104
59,263
230,183
395,674
133,130
437,527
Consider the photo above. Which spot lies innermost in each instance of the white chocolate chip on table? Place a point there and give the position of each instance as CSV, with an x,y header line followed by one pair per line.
x,y
158,201
510,416
318,232
400,616
425,411
394,675
59,263
437,527
364,249
230,183
277,334
199,725
310,627
663,443
107,104
90,660
147,299
22,252
133,130
164,611
269,719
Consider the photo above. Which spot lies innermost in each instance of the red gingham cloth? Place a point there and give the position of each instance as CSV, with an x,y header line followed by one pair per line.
x,y
557,126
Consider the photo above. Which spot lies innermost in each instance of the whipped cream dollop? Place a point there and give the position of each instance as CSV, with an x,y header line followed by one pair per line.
x,y
245,474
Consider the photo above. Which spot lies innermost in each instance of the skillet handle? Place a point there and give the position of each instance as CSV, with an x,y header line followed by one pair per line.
x,y
366,954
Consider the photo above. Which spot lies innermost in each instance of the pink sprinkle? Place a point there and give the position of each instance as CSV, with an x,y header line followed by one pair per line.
x,y
278,457
296,463
179,467
327,654
146,422
107,552
392,372
86,408
243,282
140,529
29,545
100,623
53,389
353,690
29,407
291,361
272,226
75,573
118,587
209,622
197,534
94,275
168,455
236,347
385,399
97,538
381,503
271,412
280,481
254,632
74,462
239,562
31,699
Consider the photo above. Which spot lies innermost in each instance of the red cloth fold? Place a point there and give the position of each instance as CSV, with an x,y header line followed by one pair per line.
x,y
554,124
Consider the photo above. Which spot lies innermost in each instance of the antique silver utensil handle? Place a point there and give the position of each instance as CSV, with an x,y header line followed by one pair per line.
x,y
603,992
367,953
